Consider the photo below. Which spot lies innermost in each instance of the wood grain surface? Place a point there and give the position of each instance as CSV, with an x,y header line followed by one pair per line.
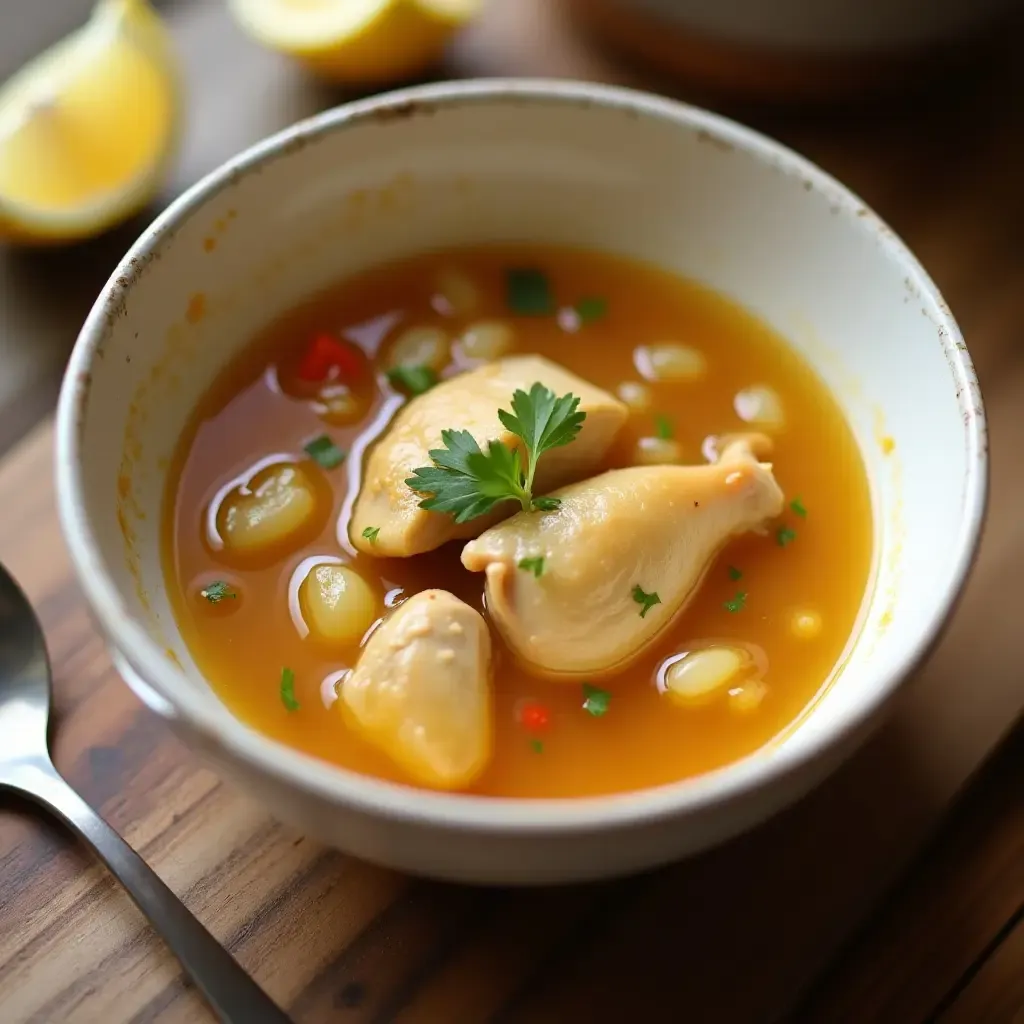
x,y
950,946
760,929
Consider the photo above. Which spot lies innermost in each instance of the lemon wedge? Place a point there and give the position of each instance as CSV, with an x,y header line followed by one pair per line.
x,y
87,129
357,41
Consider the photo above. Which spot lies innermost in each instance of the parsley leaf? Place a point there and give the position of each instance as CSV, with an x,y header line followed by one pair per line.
x,y
737,603
370,533
537,746
591,308
528,292
216,591
465,482
542,421
325,452
288,698
647,600
799,508
663,427
534,565
595,700
412,379
734,573
785,536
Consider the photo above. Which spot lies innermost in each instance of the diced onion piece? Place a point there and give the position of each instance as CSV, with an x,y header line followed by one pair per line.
x,y
697,677
636,396
420,346
805,624
282,505
456,294
747,696
569,319
486,340
341,405
339,606
670,362
759,405
657,451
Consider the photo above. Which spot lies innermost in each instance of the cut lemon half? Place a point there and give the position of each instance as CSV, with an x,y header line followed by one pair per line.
x,y
88,128
357,41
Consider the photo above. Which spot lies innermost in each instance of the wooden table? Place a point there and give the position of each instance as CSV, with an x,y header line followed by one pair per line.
x,y
846,908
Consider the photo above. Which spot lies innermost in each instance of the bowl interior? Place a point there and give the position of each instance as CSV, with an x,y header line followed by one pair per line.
x,y
566,164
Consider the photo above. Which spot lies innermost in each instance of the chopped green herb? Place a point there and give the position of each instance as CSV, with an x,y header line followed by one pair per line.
x,y
737,603
591,308
465,482
537,746
663,427
370,533
216,591
288,698
528,292
785,536
414,380
534,565
799,508
647,600
325,452
734,573
546,504
595,700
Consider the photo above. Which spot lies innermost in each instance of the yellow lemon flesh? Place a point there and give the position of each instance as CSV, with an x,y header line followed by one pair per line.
x,y
357,41
88,128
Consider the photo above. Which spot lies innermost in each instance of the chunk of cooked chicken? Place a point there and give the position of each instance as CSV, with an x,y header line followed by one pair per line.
x,y
470,402
421,690
617,542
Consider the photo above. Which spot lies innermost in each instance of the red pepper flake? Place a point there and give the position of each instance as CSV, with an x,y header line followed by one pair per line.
x,y
534,717
326,354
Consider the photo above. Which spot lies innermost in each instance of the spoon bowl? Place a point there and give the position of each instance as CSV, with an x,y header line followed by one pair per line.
x,y
24,681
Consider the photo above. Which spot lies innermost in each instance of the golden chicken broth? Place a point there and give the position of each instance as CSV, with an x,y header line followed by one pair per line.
x,y
791,595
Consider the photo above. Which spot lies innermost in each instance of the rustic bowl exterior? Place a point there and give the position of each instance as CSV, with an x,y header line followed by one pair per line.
x,y
549,162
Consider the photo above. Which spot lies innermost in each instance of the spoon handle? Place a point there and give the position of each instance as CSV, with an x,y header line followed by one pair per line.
x,y
234,996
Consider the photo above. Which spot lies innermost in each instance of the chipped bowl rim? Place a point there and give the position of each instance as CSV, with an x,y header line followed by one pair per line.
x,y
745,778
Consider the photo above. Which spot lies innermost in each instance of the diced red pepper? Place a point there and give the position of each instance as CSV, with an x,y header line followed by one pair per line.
x,y
325,354
534,717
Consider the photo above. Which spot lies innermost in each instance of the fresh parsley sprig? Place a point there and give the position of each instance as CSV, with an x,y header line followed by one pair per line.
x,y
465,482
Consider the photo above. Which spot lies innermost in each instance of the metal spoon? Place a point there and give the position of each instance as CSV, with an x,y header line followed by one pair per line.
x,y
25,766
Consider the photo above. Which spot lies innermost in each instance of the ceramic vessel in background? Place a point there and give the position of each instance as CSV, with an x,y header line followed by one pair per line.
x,y
555,162
792,50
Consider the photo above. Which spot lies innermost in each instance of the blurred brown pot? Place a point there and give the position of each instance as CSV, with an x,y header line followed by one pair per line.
x,y
797,49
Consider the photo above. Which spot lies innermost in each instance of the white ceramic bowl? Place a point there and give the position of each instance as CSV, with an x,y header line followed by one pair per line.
x,y
549,162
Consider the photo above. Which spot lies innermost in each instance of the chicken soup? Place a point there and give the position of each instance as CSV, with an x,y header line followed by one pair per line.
x,y
517,521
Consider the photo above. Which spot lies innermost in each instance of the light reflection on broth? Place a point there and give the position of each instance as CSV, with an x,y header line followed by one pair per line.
x,y
790,597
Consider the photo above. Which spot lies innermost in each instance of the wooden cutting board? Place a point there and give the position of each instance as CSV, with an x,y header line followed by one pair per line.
x,y
732,936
